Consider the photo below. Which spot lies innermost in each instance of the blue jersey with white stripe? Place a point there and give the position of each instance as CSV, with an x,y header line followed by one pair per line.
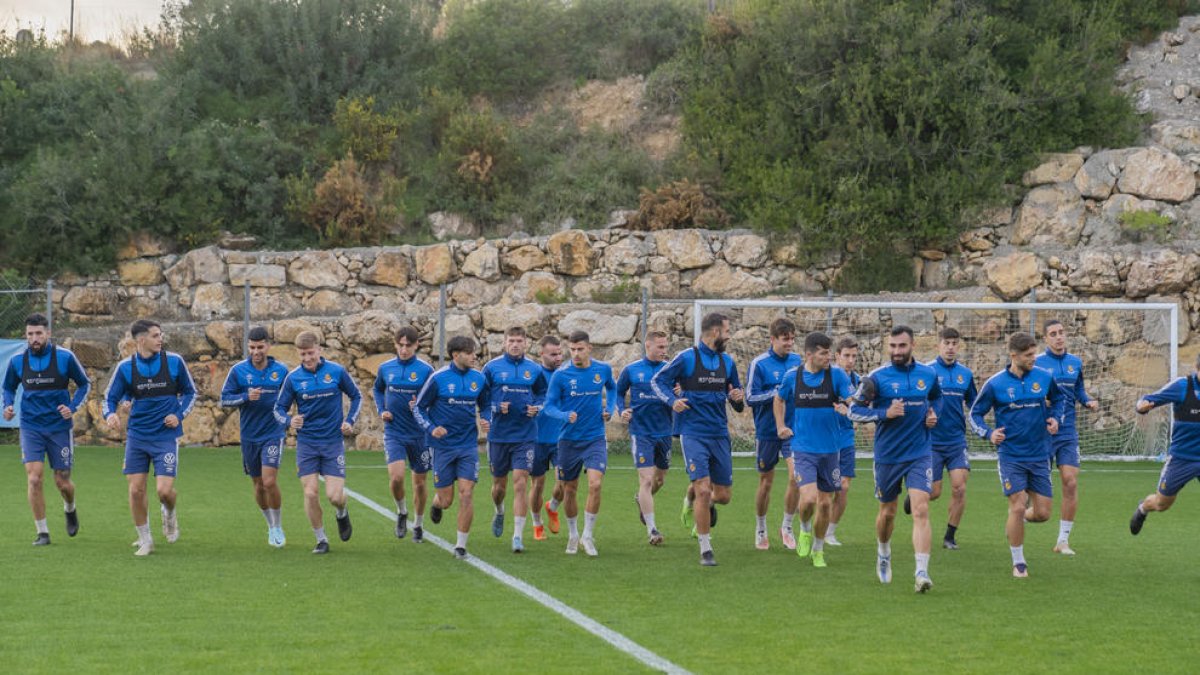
x,y
39,407
396,385
1021,408
587,392
651,417
904,438
147,413
763,377
1067,370
258,422
706,415
844,421
958,395
449,400
1185,428
816,427
318,396
520,383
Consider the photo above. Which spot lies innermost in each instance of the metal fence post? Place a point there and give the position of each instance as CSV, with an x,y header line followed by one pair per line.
x,y
246,319
442,325
1033,311
50,303
645,315
829,313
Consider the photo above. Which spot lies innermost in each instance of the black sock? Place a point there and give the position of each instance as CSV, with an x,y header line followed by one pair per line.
x,y
950,530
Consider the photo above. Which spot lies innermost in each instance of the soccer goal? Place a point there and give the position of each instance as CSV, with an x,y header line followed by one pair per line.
x,y
1128,349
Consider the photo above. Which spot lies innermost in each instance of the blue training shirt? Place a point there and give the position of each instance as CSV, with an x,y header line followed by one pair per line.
x,y
816,426
318,396
396,384
45,388
519,382
905,438
150,408
449,400
1181,393
651,417
1068,375
587,392
258,422
958,395
763,376
844,421
706,389
1020,405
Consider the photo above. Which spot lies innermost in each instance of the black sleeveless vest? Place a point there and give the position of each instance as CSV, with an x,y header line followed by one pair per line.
x,y
705,379
820,396
147,387
1189,410
49,379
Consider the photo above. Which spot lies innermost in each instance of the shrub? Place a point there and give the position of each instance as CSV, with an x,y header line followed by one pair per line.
x,y
680,204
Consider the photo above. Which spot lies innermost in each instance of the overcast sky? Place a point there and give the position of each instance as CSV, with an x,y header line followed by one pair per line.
x,y
94,19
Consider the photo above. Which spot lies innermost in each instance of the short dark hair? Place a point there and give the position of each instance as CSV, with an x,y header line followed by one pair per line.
x,y
816,340
845,343
549,340
579,336
949,333
408,334
1050,322
713,320
1020,342
902,329
516,331
460,343
258,334
782,326
142,326
36,319
655,334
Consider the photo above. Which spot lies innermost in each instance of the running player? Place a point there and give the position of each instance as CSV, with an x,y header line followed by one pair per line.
x,y
516,387
1025,421
902,399
396,387
446,409
1183,456
649,421
1068,374
253,386
44,372
817,392
161,389
549,430
582,394
708,379
846,355
763,377
950,435
316,387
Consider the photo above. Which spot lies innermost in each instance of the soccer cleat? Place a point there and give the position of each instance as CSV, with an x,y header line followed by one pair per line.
x,y
883,568
345,529
276,538
321,548
572,545
707,559
518,546
685,516
1138,520
789,538
498,525
145,548
712,515
72,523
656,538
923,583
1063,548
271,536
551,518
950,544
460,553
435,513
170,524
1020,571
589,546
401,525
907,505
804,544
695,534
43,539
539,532
638,505
418,535
831,540
761,541
818,559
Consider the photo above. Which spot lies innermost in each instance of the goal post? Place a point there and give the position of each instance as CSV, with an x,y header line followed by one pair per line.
x,y
1128,349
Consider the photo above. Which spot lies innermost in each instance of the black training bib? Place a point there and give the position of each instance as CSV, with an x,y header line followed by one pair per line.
x,y
820,396
161,384
705,379
49,379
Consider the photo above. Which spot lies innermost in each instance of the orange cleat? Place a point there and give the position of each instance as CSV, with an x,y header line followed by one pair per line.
x,y
551,519
539,533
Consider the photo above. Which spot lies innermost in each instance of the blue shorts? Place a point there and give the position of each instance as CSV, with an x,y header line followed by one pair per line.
x,y
1065,450
139,454
575,456
949,458
1175,474
327,459
543,455
55,447
651,451
506,457
452,464
846,462
917,474
708,457
821,468
409,450
769,451
259,454
1020,476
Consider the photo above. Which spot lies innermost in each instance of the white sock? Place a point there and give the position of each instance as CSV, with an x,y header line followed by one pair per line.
x,y
42,528
144,533
462,540
499,508
884,548
553,504
518,526
573,527
806,526
705,542
341,512
923,563
589,524
787,520
1018,554
537,518
818,544
401,507
276,517
319,533
69,507
830,530
267,515
762,523
650,526
165,511
1064,530
420,521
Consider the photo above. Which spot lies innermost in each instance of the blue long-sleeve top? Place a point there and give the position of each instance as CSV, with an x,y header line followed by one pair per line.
x,y
1067,370
257,422
904,438
587,392
651,417
318,397
706,400
396,384
1022,404
519,382
844,422
147,413
47,387
449,400
548,428
1181,393
958,395
815,424
763,377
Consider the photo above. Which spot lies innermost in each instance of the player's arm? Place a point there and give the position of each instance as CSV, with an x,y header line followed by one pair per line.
x,y
779,404
484,401
1081,394
756,394
187,389
116,392
487,413
983,404
83,384
663,382
610,395
11,382
972,393
425,400
380,393
1174,392
842,391
283,403
623,385
1058,401
553,409
232,394
350,388
538,390
735,387
861,409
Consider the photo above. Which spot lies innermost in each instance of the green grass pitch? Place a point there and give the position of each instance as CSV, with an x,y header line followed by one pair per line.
x,y
221,599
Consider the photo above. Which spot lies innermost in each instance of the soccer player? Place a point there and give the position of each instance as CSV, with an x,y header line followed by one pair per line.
x,y
1183,455
1067,369
253,386
708,380
1028,405
763,377
649,421
44,371
582,394
396,387
902,399
817,393
548,431
516,388
316,387
446,408
950,435
161,389
846,356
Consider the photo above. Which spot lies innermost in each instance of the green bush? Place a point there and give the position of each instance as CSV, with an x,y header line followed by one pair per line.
x,y
1140,226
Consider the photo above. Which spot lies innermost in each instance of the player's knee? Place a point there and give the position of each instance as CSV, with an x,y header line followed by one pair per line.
x,y
920,510
268,483
1070,486
465,491
164,493
311,492
62,482
935,491
959,493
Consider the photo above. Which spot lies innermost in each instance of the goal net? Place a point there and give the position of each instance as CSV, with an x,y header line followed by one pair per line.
x,y
1127,349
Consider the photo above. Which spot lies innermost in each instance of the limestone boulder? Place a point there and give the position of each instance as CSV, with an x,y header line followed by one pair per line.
x,y
1096,273
143,245
92,353
1111,328
721,280
629,256
435,264
530,316
318,269
473,291
1055,168
1153,173
90,300
139,272
483,263
1050,215
456,324
602,329
1013,275
391,268
370,364
536,287
1160,271
523,259
267,305
200,427
373,330
571,253
215,301
1141,363
189,341
230,431
226,336
1098,175
686,249
328,302
446,226
665,285
745,250
1181,137
258,276
209,377
198,266
286,330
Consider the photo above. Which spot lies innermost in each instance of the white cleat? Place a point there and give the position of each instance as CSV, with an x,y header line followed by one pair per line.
x,y
831,540
145,548
572,545
883,568
923,582
789,538
171,528
1063,548
589,546
761,541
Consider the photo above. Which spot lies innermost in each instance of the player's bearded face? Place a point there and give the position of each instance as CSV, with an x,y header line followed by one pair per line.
x,y
36,337
722,338
901,349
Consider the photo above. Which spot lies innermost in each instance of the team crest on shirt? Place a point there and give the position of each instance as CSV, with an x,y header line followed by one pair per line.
x,y
921,384
328,378
1036,387
412,377
960,378
451,387
1071,369
596,378
275,376
474,386
526,374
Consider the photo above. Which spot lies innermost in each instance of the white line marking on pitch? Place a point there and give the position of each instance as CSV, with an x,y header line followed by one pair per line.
x,y
612,637
865,468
